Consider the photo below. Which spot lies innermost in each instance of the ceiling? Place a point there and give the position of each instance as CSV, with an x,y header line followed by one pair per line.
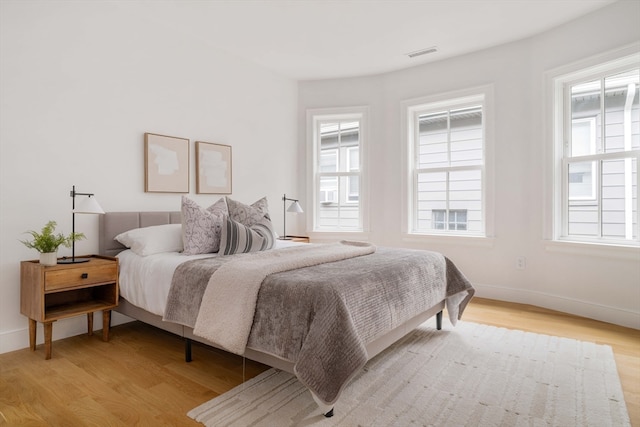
x,y
320,39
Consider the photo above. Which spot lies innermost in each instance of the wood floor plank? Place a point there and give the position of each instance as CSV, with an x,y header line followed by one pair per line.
x,y
139,377
94,412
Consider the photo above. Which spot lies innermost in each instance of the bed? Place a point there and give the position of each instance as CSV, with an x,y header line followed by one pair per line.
x,y
324,341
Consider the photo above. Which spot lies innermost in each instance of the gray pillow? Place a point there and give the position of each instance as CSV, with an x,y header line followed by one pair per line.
x,y
201,227
248,214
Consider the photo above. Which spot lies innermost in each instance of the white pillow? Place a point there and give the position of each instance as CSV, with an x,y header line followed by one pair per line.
x,y
153,240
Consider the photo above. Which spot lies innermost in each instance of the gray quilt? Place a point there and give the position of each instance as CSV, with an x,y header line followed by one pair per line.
x,y
320,318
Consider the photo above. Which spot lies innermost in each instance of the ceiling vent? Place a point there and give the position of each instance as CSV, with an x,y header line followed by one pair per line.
x,y
432,49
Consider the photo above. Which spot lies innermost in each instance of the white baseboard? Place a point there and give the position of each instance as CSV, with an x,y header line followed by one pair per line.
x,y
603,313
19,338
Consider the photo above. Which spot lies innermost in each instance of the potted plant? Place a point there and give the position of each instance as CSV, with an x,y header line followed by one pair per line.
x,y
47,242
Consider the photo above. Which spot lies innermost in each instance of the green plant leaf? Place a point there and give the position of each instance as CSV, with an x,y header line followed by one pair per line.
x,y
46,241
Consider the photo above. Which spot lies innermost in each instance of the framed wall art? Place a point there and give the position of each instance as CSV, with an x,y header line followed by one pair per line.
x,y
213,168
166,164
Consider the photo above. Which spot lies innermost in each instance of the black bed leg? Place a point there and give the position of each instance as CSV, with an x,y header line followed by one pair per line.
x,y
329,414
439,320
187,350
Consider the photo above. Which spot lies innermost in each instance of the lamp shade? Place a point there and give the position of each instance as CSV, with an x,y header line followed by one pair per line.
x,y
89,205
295,208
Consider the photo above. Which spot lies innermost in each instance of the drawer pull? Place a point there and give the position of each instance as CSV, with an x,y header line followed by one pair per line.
x,y
85,275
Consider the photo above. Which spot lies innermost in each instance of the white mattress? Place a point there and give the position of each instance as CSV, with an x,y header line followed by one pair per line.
x,y
145,280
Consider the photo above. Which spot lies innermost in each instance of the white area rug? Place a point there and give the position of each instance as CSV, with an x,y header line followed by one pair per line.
x,y
468,375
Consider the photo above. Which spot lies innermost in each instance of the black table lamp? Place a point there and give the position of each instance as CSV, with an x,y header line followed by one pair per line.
x,y
295,208
87,206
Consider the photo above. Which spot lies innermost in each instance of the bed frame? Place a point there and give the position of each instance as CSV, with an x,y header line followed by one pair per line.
x,y
113,223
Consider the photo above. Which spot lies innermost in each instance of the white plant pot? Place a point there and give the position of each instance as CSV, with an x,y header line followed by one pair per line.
x,y
48,258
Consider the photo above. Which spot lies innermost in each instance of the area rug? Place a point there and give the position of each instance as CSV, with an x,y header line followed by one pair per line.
x,y
468,375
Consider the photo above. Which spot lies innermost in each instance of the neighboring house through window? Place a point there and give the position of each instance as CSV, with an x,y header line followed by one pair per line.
x,y
338,141
597,148
455,220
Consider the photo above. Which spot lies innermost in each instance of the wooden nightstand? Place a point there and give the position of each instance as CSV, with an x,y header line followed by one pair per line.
x,y
302,239
49,293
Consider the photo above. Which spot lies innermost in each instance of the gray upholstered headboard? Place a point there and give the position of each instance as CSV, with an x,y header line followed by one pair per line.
x,y
113,223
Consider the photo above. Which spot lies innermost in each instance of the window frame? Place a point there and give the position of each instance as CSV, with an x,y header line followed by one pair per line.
x,y
314,118
560,82
482,95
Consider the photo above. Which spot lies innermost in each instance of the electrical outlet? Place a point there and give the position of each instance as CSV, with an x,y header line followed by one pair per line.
x,y
521,263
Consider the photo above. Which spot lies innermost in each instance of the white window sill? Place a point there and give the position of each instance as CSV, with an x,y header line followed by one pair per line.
x,y
453,239
593,249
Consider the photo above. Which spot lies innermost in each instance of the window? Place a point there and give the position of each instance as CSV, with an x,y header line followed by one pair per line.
x,y
338,141
597,140
457,219
446,174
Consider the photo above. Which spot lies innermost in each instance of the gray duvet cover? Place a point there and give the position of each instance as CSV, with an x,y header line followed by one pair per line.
x,y
320,318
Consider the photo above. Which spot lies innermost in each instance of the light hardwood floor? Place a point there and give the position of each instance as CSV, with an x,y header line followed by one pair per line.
x,y
140,378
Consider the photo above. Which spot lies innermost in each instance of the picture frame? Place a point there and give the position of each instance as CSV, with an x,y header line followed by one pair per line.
x,y
213,168
166,164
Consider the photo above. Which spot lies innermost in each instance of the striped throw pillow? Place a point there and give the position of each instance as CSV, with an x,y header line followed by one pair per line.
x,y
237,238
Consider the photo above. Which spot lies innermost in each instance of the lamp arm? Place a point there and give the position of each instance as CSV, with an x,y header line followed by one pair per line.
x,y
74,193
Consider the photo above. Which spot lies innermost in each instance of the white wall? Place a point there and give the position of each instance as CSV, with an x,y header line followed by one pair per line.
x,y
80,83
604,284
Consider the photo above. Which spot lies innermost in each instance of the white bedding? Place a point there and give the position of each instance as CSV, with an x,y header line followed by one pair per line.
x,y
145,280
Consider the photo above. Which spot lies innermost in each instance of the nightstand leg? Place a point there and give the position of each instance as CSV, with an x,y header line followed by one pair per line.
x,y
32,334
48,332
90,323
106,321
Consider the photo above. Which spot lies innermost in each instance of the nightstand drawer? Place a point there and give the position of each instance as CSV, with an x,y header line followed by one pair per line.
x,y
75,277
